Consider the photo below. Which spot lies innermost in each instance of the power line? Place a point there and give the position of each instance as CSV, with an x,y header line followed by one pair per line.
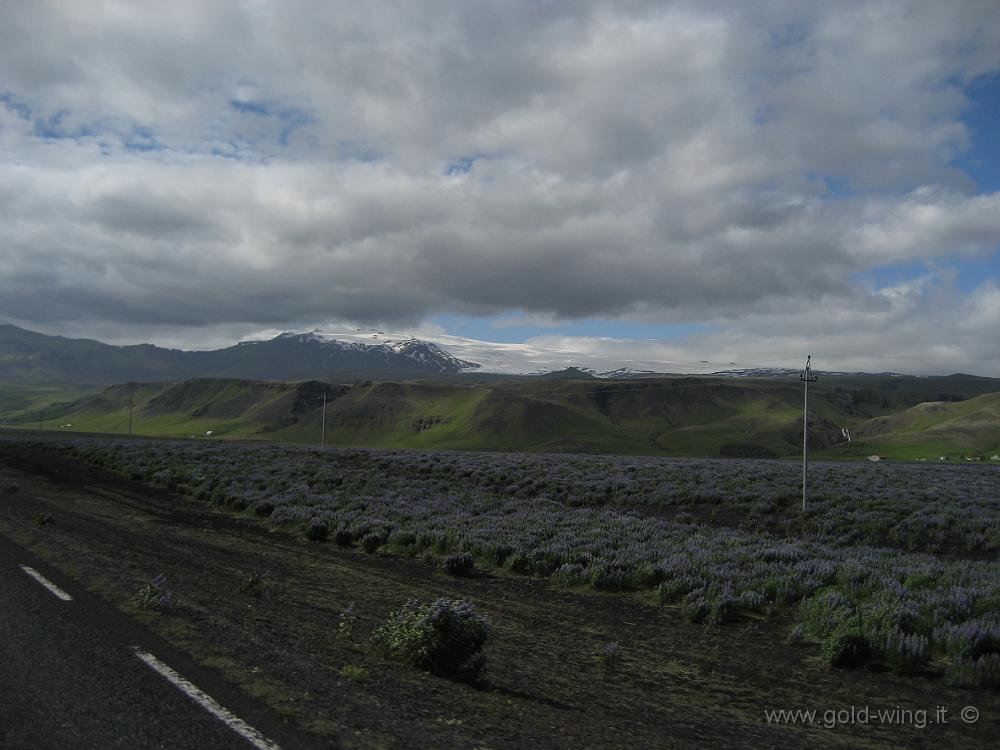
x,y
806,377
322,442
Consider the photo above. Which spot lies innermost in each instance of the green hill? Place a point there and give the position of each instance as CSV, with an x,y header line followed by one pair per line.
x,y
22,402
934,429
689,416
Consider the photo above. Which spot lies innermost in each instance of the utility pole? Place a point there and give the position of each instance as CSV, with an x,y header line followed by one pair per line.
x,y
322,442
131,403
806,377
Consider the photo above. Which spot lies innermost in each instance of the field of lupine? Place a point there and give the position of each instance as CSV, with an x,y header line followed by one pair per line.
x,y
892,564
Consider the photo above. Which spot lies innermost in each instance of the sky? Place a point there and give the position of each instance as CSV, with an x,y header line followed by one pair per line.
x,y
690,182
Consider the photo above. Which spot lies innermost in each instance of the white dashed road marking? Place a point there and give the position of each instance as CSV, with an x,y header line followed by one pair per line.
x,y
206,701
47,583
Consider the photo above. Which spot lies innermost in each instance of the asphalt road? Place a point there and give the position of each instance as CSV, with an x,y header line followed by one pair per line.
x,y
70,677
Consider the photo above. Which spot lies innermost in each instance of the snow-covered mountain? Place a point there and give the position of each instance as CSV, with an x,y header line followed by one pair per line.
x,y
26,356
627,373
440,353
30,357
372,351
498,357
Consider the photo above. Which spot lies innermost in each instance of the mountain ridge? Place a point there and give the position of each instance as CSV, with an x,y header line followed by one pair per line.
x,y
28,357
31,357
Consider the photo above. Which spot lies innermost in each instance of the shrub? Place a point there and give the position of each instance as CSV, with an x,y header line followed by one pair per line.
x,y
263,508
648,576
674,588
164,478
343,537
518,563
371,542
570,574
41,519
459,565
500,553
906,653
402,539
753,601
609,578
695,606
846,648
724,608
10,488
966,672
317,531
444,637
826,611
442,544
971,639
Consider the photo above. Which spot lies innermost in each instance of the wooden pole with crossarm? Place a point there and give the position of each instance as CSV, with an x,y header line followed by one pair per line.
x,y
806,377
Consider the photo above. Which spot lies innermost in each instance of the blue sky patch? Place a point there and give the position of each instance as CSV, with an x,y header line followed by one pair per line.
x,y
142,139
968,273
15,105
982,161
291,119
972,272
460,166
250,108
54,127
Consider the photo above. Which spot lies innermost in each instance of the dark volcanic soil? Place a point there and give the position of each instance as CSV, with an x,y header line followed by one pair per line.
x,y
677,685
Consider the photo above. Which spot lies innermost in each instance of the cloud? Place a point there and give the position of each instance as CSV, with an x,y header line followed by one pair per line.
x,y
227,167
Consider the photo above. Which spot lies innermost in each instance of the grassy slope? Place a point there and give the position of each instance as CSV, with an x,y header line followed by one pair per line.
x,y
552,416
108,410
680,416
29,403
934,429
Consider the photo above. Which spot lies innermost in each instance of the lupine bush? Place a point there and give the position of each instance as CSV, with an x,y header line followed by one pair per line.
x,y
459,565
907,653
444,637
901,556
343,537
371,541
847,647
317,530
983,672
